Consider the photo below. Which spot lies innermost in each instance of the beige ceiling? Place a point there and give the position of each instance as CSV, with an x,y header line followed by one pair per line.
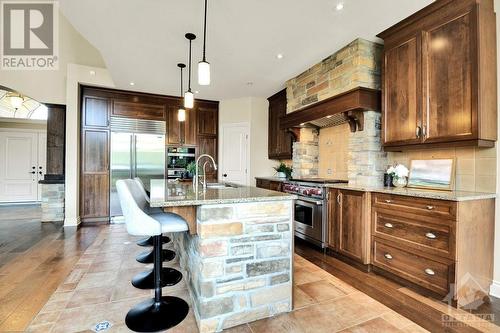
x,y
143,40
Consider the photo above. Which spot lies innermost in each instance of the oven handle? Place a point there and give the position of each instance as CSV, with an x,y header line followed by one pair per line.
x,y
309,203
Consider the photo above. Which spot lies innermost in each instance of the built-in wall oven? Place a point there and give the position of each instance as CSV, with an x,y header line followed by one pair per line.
x,y
311,217
178,159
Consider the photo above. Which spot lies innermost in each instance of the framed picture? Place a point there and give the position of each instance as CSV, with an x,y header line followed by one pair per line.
x,y
438,174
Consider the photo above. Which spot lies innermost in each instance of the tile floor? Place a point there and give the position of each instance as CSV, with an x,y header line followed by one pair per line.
x,y
98,290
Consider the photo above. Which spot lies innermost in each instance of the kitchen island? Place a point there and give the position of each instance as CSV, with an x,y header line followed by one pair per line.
x,y
238,252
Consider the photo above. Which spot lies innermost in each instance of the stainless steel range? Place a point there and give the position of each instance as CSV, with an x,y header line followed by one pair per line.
x,y
311,212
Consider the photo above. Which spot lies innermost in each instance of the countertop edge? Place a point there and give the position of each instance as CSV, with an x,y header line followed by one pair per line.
x,y
200,202
447,196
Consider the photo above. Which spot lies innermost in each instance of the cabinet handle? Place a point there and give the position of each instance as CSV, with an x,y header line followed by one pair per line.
x,y
418,132
388,225
388,201
388,256
430,235
429,271
424,131
338,198
430,207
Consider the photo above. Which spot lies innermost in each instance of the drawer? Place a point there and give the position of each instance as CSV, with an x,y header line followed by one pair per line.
x,y
437,239
429,273
262,183
422,206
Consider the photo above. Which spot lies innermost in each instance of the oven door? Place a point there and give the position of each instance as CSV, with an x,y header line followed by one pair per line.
x,y
309,219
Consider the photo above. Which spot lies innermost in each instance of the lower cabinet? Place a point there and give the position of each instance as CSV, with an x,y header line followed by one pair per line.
x,y
349,224
443,246
94,197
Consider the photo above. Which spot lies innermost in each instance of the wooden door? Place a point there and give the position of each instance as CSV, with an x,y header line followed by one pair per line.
x,y
332,219
449,55
401,104
350,224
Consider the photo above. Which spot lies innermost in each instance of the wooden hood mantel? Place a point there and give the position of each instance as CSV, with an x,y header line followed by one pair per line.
x,y
351,104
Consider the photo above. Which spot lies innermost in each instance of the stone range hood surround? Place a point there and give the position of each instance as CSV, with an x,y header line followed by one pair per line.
x,y
342,88
349,106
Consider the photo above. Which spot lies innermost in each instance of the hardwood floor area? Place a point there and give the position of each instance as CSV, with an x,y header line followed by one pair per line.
x,y
427,312
35,258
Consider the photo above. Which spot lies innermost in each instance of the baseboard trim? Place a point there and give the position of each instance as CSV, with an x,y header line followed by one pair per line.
x,y
495,289
72,222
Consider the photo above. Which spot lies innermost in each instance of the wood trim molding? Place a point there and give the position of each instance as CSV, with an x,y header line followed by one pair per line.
x,y
358,99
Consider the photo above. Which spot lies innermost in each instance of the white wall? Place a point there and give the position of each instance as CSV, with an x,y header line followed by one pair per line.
x,y
49,86
253,111
77,74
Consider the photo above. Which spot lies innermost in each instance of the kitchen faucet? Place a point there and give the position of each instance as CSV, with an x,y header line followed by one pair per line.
x,y
204,170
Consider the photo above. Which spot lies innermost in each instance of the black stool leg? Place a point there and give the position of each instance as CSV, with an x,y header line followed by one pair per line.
x,y
147,257
160,313
149,241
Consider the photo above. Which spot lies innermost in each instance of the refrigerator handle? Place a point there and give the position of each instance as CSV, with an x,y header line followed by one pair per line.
x,y
132,158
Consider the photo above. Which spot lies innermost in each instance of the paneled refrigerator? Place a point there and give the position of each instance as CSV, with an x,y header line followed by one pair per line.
x,y
137,150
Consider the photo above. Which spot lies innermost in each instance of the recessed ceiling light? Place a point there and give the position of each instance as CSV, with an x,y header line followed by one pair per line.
x,y
92,72
196,92
249,83
339,6
279,56
302,124
132,83
329,116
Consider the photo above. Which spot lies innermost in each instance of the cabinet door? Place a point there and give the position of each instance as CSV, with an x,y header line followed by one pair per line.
x,y
94,196
350,224
190,128
449,53
208,121
173,126
401,103
208,145
95,151
137,110
279,140
95,111
332,219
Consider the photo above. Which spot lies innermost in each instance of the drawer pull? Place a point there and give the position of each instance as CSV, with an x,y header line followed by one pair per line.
x,y
389,225
430,207
430,235
388,256
388,201
429,271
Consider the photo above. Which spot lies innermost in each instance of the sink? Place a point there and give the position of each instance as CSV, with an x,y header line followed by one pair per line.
x,y
221,185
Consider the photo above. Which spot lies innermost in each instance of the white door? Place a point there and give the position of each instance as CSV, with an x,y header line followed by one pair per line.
x,y
42,161
235,150
18,166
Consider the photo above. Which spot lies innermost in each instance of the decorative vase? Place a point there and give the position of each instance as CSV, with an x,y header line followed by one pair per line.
x,y
281,175
388,180
399,181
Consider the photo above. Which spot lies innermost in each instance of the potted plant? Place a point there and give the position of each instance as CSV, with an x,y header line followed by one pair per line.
x,y
191,170
399,175
283,171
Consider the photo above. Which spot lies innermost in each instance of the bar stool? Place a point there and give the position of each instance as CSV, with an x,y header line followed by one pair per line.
x,y
161,312
149,240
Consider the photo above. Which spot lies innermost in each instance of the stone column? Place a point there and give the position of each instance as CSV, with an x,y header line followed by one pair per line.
x,y
52,202
306,154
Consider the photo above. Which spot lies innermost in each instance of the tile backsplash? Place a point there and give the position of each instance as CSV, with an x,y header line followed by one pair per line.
x,y
475,167
333,152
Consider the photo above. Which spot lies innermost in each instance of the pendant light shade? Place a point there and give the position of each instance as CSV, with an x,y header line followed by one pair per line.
x,y
188,95
204,65
203,73
181,113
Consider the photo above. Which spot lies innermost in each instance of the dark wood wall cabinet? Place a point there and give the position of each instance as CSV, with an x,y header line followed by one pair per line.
x,y
56,140
98,105
439,77
279,139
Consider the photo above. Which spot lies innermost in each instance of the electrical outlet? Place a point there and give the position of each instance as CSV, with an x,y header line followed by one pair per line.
x,y
329,171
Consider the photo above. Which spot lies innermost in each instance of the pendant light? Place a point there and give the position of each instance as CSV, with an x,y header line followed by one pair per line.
x,y
16,101
181,113
204,65
188,95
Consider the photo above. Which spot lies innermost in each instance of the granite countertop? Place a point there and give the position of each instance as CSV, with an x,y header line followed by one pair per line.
x,y
273,179
420,193
166,194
